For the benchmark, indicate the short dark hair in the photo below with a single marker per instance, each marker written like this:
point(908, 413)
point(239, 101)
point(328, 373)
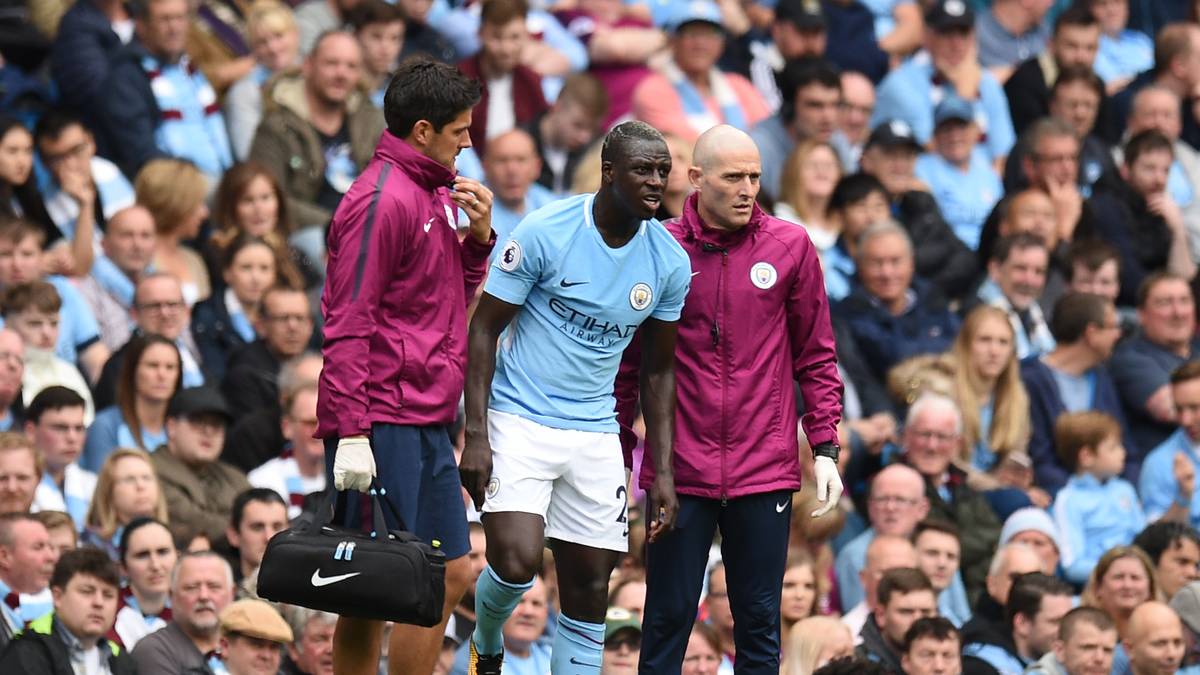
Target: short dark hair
point(1016, 242)
point(1073, 74)
point(1186, 372)
point(88, 560)
point(424, 89)
point(1150, 140)
point(934, 525)
point(368, 12)
point(1076, 15)
point(54, 123)
point(1091, 253)
point(1089, 615)
point(54, 397)
point(1027, 593)
point(500, 12)
point(133, 526)
point(800, 73)
point(901, 580)
point(853, 189)
point(936, 627)
point(852, 665)
point(1165, 535)
point(1154, 279)
point(1074, 312)
point(257, 494)
point(626, 134)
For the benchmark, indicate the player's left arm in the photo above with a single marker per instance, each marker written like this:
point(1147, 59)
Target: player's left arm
point(657, 384)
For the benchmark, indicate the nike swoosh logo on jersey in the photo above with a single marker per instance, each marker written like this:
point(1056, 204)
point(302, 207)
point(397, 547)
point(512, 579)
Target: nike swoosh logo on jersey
point(695, 273)
point(567, 284)
point(319, 581)
point(780, 507)
point(583, 663)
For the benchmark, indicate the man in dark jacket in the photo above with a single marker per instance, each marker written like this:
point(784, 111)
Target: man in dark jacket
point(83, 49)
point(941, 258)
point(1036, 604)
point(285, 324)
point(736, 457)
point(905, 595)
point(890, 315)
point(1071, 379)
point(85, 585)
point(1074, 43)
point(156, 102)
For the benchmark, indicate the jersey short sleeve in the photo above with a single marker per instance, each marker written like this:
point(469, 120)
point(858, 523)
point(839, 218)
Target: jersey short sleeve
point(517, 266)
point(678, 281)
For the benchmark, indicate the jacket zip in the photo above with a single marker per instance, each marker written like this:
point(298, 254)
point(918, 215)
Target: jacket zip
point(715, 332)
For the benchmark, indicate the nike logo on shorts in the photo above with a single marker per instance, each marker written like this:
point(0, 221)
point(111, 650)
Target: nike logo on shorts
point(780, 507)
point(319, 581)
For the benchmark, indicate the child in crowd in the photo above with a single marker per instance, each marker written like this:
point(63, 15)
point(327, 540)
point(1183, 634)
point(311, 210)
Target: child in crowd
point(31, 310)
point(1096, 510)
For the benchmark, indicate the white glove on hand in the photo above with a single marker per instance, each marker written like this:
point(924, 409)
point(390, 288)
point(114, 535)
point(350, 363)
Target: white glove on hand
point(354, 464)
point(829, 485)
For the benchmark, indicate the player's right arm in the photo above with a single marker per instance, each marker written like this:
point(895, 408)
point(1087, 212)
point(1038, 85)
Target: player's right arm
point(492, 315)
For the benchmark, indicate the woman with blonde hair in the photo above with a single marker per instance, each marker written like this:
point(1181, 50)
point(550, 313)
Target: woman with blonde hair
point(811, 173)
point(173, 191)
point(813, 642)
point(126, 488)
point(798, 599)
point(987, 385)
point(275, 44)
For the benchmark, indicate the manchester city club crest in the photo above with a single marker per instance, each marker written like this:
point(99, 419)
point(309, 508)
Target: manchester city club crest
point(763, 275)
point(640, 296)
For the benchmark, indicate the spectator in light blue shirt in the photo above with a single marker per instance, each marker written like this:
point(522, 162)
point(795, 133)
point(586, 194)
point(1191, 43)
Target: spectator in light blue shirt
point(511, 169)
point(1124, 53)
point(911, 92)
point(1166, 488)
point(962, 179)
point(1096, 510)
point(1011, 32)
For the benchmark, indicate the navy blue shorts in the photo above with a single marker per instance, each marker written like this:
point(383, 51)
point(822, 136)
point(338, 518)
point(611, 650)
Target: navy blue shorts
point(416, 466)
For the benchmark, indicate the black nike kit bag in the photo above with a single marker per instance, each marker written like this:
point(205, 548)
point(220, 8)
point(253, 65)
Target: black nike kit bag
point(391, 577)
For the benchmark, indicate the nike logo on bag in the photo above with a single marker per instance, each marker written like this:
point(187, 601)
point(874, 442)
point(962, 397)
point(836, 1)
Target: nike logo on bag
point(319, 581)
point(780, 507)
point(567, 284)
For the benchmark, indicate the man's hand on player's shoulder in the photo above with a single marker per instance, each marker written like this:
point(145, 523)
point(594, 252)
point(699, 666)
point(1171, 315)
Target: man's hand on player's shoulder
point(476, 200)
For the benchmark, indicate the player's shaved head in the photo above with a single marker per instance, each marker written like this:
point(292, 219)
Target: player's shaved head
point(721, 143)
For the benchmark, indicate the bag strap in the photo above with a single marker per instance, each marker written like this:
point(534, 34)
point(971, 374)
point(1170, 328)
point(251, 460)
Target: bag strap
point(379, 501)
point(379, 495)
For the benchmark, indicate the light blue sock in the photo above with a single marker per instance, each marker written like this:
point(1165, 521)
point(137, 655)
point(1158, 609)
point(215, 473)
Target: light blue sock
point(495, 600)
point(578, 647)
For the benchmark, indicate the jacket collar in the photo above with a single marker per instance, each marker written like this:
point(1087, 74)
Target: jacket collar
point(695, 229)
point(423, 171)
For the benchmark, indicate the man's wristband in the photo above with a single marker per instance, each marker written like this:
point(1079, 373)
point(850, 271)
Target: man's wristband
point(826, 449)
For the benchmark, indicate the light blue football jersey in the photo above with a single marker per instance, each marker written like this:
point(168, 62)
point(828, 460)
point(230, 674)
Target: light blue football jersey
point(581, 303)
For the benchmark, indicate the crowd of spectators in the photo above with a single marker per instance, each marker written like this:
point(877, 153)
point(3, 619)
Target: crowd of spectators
point(1005, 195)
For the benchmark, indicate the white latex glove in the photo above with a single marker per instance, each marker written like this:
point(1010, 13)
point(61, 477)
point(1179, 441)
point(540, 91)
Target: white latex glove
point(354, 464)
point(829, 485)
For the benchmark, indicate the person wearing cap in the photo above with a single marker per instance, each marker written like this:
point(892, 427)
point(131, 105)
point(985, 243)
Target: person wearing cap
point(252, 633)
point(622, 642)
point(198, 487)
point(941, 258)
point(1074, 43)
point(911, 91)
point(70, 640)
point(962, 179)
point(796, 32)
point(1174, 548)
point(1034, 528)
point(689, 94)
point(736, 459)
point(1011, 31)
